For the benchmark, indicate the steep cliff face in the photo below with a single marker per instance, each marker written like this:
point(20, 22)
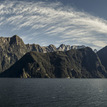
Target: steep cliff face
point(11, 50)
point(82, 63)
point(103, 56)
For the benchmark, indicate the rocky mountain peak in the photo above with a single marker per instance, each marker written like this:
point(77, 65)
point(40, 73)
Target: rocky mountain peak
point(51, 45)
point(77, 47)
point(52, 48)
point(64, 47)
point(16, 40)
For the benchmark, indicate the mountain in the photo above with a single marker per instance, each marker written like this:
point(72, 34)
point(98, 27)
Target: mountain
point(81, 63)
point(103, 56)
point(13, 48)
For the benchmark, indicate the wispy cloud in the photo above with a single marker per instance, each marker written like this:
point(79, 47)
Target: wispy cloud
point(53, 23)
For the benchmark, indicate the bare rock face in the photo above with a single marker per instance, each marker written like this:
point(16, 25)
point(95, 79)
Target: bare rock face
point(34, 47)
point(50, 48)
point(16, 40)
point(11, 50)
point(64, 47)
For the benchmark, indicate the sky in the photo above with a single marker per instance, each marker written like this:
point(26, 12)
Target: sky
point(44, 22)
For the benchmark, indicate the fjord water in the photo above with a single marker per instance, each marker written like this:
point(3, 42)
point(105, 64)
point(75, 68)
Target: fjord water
point(53, 92)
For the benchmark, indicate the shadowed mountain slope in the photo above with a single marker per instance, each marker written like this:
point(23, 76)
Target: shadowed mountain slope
point(81, 63)
point(103, 56)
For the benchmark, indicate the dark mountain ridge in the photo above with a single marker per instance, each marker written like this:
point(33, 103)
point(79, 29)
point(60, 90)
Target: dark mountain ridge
point(81, 63)
point(103, 56)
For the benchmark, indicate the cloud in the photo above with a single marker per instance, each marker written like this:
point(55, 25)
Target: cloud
point(53, 23)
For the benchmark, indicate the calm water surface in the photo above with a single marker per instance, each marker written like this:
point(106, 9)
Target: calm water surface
point(53, 92)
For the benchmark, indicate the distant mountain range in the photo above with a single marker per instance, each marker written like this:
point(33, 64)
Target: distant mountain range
point(19, 60)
